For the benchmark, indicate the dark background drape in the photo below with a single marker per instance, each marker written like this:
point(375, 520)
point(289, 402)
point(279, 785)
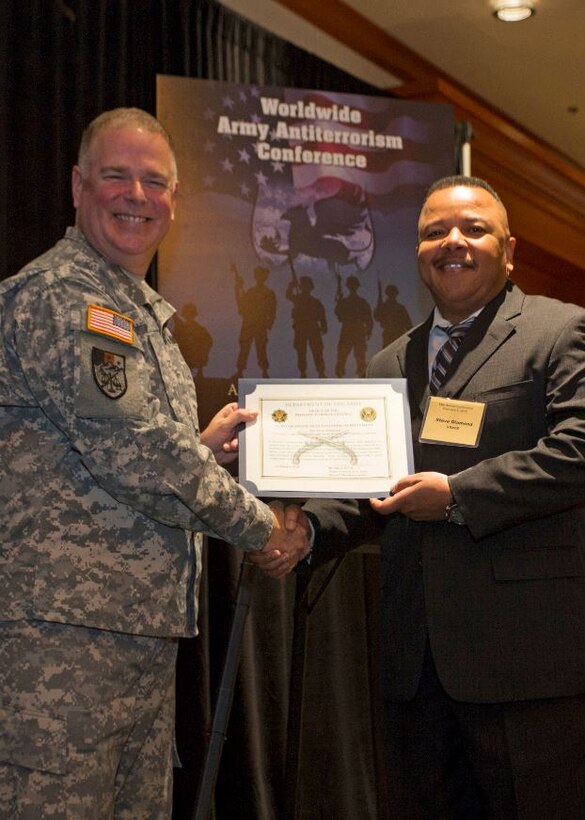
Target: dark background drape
point(63, 62)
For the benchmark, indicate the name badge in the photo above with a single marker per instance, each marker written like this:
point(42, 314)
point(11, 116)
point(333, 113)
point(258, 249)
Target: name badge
point(449, 421)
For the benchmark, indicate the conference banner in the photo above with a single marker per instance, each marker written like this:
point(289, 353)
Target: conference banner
point(292, 254)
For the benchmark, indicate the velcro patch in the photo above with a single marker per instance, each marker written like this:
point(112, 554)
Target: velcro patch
point(109, 372)
point(109, 323)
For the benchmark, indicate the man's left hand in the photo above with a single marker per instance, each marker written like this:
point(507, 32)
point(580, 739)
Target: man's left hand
point(422, 497)
point(221, 434)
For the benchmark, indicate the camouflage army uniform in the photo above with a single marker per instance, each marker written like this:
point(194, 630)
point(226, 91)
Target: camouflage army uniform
point(105, 487)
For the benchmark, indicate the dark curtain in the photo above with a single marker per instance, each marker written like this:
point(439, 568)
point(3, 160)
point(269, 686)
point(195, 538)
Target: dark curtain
point(63, 62)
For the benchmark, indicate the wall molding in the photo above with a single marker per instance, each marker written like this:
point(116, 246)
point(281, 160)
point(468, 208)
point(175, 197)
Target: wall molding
point(544, 191)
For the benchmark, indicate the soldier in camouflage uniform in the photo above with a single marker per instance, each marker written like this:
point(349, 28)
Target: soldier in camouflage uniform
point(106, 486)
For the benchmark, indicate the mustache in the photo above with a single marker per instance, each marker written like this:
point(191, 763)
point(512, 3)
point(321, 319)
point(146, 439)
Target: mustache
point(453, 259)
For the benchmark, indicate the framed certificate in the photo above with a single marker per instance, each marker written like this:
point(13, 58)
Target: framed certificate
point(339, 438)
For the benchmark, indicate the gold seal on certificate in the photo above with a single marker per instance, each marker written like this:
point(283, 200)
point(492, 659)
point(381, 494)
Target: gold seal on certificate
point(325, 437)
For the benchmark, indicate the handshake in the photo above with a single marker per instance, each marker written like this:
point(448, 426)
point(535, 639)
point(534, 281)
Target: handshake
point(288, 543)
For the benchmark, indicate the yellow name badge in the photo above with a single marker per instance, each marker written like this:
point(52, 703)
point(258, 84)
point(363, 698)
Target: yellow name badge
point(448, 421)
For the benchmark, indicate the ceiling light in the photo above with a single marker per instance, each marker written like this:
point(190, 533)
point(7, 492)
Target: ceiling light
point(512, 11)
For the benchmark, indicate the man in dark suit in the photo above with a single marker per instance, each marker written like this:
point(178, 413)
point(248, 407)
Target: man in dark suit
point(483, 548)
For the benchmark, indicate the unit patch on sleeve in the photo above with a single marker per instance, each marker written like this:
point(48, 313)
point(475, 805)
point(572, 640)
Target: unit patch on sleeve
point(109, 372)
point(109, 323)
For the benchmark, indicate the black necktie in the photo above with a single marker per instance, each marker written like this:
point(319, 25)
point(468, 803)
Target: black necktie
point(445, 355)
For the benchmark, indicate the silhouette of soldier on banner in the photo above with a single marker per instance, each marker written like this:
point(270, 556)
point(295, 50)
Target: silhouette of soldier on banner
point(355, 316)
point(194, 340)
point(391, 315)
point(257, 307)
point(309, 323)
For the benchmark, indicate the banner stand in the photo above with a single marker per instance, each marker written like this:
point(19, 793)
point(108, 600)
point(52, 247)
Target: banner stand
point(225, 693)
point(302, 610)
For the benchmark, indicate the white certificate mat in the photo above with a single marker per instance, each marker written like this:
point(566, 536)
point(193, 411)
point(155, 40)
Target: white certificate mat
point(337, 438)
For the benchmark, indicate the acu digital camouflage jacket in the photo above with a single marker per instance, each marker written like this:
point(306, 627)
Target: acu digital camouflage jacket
point(103, 478)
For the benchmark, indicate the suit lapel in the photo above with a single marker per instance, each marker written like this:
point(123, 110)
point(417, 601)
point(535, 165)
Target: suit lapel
point(413, 360)
point(492, 327)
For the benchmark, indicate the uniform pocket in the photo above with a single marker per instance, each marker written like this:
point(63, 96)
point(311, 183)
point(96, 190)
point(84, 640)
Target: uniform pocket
point(33, 741)
point(110, 379)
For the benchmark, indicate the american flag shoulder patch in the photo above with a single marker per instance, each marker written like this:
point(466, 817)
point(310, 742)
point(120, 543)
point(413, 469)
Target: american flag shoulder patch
point(109, 323)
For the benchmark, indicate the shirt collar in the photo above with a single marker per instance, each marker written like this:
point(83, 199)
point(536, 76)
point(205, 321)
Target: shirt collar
point(442, 323)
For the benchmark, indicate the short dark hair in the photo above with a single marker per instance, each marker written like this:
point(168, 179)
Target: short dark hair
point(461, 180)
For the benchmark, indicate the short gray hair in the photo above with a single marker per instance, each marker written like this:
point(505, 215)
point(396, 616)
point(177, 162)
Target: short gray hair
point(118, 118)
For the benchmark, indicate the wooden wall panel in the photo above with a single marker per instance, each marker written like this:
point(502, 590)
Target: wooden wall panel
point(544, 192)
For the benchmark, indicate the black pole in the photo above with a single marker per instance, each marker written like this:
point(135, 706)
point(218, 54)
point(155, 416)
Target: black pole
point(303, 608)
point(296, 691)
point(225, 693)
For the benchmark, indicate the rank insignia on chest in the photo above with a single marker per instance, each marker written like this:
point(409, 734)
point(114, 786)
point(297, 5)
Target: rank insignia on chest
point(109, 372)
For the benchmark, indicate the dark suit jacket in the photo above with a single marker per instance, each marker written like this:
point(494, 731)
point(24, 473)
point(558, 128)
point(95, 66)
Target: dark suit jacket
point(502, 599)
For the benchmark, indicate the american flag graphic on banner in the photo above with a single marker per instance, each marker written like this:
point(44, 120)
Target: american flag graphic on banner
point(301, 193)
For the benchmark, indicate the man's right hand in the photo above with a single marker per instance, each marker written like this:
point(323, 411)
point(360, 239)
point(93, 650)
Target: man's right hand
point(288, 543)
